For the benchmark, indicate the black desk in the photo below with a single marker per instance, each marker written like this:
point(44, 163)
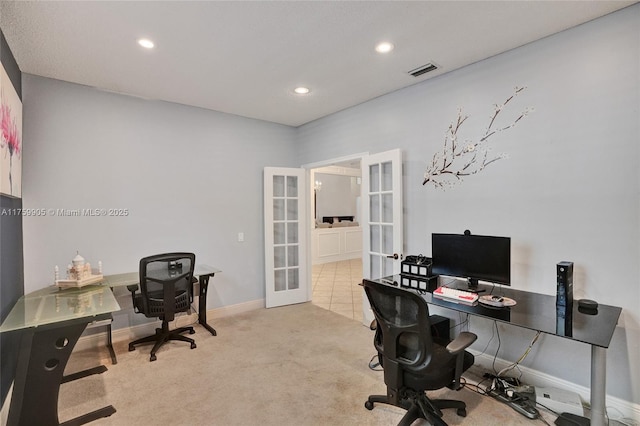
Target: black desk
point(538, 312)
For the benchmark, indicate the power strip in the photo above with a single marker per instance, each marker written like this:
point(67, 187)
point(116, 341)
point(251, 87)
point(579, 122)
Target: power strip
point(521, 405)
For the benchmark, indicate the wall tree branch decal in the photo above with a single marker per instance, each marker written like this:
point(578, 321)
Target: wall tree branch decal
point(468, 157)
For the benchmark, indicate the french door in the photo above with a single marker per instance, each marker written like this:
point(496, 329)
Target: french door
point(382, 218)
point(286, 220)
point(285, 235)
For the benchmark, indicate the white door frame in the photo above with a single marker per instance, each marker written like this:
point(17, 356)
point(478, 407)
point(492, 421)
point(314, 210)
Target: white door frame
point(324, 163)
point(398, 204)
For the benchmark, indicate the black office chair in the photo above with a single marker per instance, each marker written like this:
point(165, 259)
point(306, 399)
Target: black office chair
point(413, 363)
point(166, 287)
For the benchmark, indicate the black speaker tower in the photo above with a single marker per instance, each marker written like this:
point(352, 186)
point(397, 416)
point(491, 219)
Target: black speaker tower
point(564, 273)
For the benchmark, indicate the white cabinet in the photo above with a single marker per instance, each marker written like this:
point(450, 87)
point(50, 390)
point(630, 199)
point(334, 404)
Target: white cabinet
point(335, 244)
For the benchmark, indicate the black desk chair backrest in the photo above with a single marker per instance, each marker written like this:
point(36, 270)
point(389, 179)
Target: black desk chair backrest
point(412, 361)
point(166, 288)
point(403, 333)
point(166, 284)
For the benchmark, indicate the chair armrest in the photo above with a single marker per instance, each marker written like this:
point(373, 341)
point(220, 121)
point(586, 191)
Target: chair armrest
point(457, 347)
point(462, 342)
point(133, 288)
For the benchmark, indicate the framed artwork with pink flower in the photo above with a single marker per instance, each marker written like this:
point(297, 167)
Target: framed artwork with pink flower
point(10, 138)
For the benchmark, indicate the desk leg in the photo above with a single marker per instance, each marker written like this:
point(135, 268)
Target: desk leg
point(84, 373)
point(114, 360)
point(202, 302)
point(89, 417)
point(43, 355)
point(598, 385)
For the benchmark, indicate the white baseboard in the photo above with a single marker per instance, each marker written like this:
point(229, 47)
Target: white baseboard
point(239, 308)
point(337, 258)
point(616, 408)
point(137, 331)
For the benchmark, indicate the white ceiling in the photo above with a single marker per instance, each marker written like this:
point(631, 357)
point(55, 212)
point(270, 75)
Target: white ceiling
point(246, 58)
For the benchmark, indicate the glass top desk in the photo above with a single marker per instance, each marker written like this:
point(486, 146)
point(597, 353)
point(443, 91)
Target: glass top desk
point(539, 312)
point(50, 322)
point(203, 272)
point(52, 305)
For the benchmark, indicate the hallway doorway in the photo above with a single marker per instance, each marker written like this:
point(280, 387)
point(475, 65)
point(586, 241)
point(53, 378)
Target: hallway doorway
point(336, 287)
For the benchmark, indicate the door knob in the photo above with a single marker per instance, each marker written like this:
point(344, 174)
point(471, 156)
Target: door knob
point(393, 256)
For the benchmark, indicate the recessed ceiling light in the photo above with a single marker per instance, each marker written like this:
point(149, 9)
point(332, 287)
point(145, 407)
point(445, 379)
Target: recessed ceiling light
point(301, 90)
point(384, 47)
point(146, 43)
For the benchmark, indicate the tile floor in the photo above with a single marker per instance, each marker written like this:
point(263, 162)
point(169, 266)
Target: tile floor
point(336, 286)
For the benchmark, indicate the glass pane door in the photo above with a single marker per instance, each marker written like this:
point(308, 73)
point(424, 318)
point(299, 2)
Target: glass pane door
point(286, 243)
point(382, 239)
point(385, 220)
point(285, 237)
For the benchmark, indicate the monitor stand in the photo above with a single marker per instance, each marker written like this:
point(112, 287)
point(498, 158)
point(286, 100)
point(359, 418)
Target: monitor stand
point(472, 286)
point(459, 283)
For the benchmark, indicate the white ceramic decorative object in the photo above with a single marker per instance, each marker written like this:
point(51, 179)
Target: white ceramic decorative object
point(78, 260)
point(79, 274)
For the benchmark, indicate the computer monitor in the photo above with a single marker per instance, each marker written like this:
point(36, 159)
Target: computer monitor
point(474, 257)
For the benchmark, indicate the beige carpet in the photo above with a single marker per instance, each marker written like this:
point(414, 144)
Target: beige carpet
point(295, 365)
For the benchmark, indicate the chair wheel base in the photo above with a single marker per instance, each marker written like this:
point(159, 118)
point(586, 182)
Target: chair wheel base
point(162, 336)
point(418, 406)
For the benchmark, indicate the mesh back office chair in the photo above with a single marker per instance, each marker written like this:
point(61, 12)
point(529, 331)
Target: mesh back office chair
point(413, 363)
point(166, 287)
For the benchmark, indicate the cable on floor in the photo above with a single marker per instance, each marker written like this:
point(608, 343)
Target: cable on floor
point(625, 421)
point(374, 363)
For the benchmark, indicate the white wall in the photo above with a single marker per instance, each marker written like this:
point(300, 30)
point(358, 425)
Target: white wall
point(190, 178)
point(337, 196)
point(569, 191)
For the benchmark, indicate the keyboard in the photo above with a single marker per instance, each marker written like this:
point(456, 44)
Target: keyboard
point(456, 296)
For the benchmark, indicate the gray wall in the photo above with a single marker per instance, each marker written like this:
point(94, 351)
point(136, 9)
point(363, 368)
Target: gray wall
point(190, 178)
point(568, 191)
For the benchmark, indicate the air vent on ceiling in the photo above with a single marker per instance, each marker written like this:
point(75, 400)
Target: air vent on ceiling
point(423, 69)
